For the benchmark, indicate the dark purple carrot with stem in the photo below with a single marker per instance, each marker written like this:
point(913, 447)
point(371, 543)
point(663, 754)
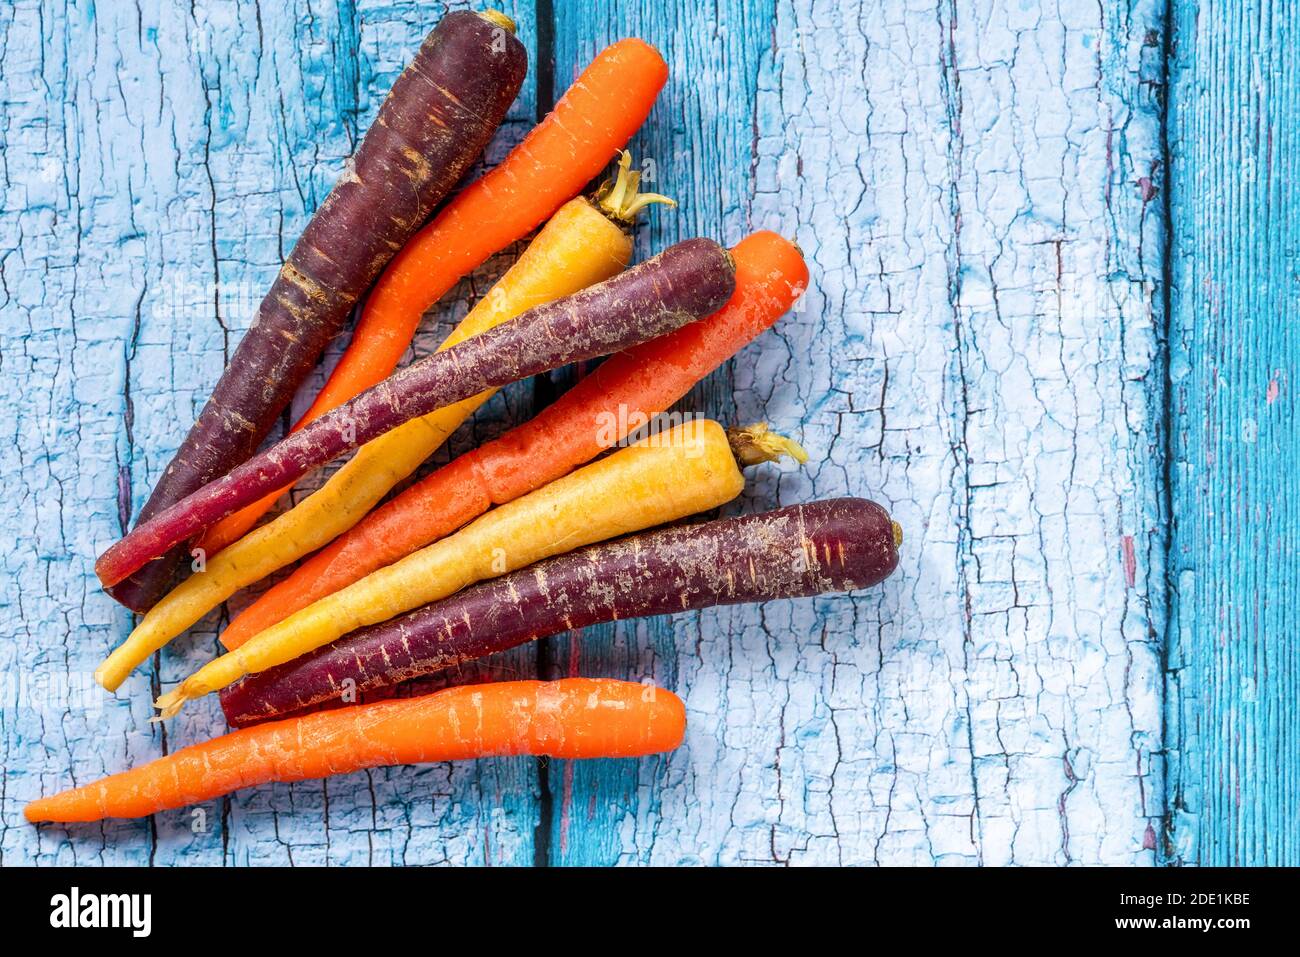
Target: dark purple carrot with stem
point(440, 114)
point(835, 545)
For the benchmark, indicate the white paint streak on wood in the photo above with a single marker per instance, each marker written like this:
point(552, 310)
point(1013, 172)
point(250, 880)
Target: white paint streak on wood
point(977, 353)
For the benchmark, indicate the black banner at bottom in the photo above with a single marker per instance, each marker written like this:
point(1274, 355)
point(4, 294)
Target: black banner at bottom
point(328, 907)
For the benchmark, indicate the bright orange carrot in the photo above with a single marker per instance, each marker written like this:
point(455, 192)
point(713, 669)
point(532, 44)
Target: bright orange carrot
point(596, 414)
point(593, 120)
point(570, 718)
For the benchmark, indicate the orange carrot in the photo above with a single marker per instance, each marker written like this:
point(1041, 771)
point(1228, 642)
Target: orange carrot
point(593, 120)
point(596, 414)
point(570, 718)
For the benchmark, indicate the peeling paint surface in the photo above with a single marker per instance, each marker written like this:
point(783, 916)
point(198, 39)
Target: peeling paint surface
point(977, 187)
point(1233, 672)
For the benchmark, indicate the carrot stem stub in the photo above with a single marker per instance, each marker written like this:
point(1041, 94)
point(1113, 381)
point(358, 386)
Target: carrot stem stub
point(570, 718)
point(440, 114)
point(835, 545)
point(681, 284)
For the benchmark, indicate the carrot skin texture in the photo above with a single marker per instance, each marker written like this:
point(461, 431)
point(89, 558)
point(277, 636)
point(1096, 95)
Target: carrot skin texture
point(579, 247)
point(687, 470)
point(605, 109)
point(440, 114)
point(569, 718)
point(684, 282)
point(593, 120)
point(834, 545)
point(770, 276)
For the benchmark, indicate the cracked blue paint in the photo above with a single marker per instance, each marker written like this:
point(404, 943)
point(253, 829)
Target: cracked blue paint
point(1234, 483)
point(975, 185)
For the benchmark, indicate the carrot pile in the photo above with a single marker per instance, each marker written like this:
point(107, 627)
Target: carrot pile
point(583, 244)
point(549, 528)
point(598, 412)
point(596, 117)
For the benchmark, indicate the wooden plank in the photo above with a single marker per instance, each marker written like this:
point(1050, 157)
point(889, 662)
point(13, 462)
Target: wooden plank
point(979, 351)
point(160, 159)
point(1235, 477)
point(977, 189)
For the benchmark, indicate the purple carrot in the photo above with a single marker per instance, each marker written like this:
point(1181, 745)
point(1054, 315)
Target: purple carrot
point(439, 116)
point(830, 546)
point(681, 284)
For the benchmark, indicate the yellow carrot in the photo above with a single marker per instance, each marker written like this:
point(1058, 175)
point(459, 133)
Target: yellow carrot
point(579, 247)
point(664, 477)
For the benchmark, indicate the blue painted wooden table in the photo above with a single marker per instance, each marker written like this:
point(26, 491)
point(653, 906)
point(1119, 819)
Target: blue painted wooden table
point(1051, 327)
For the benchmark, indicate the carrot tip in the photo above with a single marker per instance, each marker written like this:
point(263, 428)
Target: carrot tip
point(170, 704)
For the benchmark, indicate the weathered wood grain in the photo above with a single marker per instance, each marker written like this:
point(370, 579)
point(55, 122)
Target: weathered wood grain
point(160, 158)
point(1233, 673)
point(972, 183)
point(976, 186)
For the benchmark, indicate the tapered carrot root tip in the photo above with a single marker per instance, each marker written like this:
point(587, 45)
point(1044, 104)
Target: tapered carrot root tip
point(105, 679)
point(667, 720)
point(40, 811)
point(70, 807)
point(170, 704)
